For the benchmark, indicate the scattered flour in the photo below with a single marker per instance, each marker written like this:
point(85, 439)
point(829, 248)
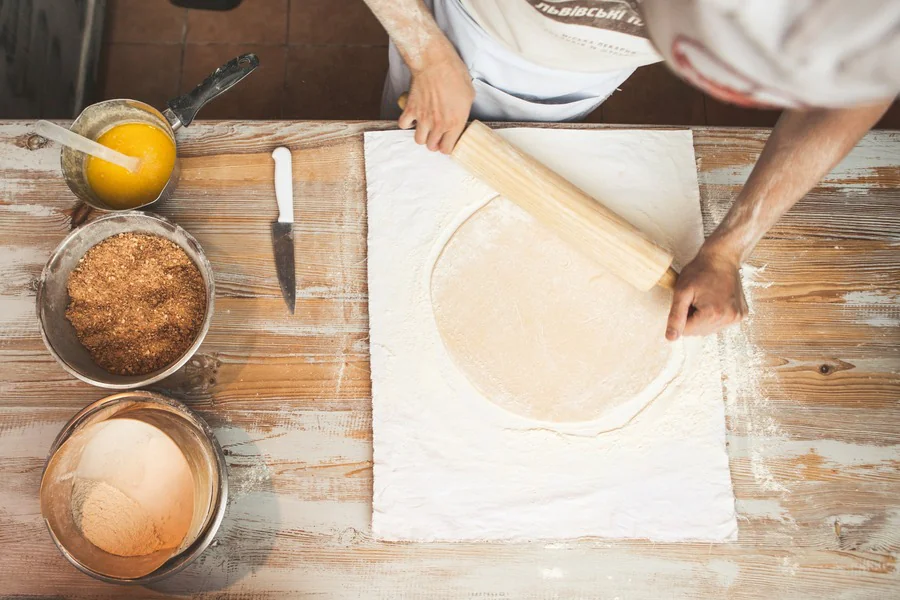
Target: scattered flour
point(746, 405)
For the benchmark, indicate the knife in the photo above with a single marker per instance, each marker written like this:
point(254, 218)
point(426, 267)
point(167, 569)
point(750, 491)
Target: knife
point(283, 228)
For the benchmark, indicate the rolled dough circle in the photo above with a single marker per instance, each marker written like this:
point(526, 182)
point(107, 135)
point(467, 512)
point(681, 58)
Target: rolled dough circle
point(542, 331)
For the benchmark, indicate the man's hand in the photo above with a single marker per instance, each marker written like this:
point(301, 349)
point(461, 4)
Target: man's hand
point(708, 296)
point(440, 98)
point(803, 147)
point(441, 92)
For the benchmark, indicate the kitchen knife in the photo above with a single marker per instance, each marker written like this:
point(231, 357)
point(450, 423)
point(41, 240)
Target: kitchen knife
point(283, 228)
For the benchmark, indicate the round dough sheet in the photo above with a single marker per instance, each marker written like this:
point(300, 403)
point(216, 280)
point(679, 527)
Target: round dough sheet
point(542, 331)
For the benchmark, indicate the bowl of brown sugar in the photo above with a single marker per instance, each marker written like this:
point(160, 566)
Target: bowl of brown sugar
point(125, 300)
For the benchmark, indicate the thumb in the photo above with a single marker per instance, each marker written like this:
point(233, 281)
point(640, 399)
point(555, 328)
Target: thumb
point(678, 315)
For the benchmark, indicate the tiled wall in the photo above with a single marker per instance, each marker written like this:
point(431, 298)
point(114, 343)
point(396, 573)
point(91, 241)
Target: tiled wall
point(319, 59)
point(326, 59)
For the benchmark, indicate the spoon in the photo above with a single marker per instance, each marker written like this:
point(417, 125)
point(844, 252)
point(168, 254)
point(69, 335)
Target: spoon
point(80, 143)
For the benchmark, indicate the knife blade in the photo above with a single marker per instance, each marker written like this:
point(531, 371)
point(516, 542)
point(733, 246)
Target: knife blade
point(283, 228)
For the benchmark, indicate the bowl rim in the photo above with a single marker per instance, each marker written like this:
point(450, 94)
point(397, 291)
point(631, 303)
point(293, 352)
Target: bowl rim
point(204, 267)
point(181, 560)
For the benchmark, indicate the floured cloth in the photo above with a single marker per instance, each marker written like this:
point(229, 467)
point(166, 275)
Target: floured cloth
point(454, 462)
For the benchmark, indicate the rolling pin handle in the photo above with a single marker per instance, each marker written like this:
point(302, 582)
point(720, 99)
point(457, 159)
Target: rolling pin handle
point(401, 101)
point(669, 279)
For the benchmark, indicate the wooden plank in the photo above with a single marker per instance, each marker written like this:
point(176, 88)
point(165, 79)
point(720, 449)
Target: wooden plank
point(302, 481)
point(811, 382)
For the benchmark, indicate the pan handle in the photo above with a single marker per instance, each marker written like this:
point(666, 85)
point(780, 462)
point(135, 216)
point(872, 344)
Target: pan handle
point(184, 108)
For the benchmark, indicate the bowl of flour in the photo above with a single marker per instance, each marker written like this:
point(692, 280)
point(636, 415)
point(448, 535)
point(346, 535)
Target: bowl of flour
point(135, 488)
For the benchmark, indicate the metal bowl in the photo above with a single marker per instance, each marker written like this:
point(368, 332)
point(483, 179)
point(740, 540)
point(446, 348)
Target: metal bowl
point(208, 469)
point(53, 296)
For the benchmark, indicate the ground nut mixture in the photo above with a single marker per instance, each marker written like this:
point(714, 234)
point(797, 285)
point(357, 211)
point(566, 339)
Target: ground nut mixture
point(136, 302)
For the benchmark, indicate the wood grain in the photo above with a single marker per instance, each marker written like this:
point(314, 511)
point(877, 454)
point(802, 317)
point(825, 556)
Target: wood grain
point(811, 389)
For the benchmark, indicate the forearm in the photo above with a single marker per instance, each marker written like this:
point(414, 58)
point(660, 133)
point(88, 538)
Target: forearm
point(803, 148)
point(413, 30)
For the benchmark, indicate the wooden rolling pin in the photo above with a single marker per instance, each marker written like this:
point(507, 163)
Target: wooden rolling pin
point(576, 217)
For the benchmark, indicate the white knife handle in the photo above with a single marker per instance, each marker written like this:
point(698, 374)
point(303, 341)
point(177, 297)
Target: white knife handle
point(284, 185)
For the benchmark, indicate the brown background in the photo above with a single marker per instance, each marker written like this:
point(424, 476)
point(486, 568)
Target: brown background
point(326, 59)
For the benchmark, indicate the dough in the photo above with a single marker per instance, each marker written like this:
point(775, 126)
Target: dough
point(541, 330)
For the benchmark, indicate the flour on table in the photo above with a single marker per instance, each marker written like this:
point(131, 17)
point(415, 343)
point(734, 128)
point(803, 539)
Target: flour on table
point(479, 432)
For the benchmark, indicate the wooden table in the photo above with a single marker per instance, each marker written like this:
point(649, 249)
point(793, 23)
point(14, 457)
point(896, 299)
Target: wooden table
point(813, 390)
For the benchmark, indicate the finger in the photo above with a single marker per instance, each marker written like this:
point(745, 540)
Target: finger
point(434, 139)
point(422, 132)
point(407, 119)
point(698, 327)
point(678, 315)
point(449, 139)
point(706, 319)
point(732, 315)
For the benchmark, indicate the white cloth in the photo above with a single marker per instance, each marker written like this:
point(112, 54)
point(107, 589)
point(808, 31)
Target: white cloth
point(508, 87)
point(575, 35)
point(451, 465)
point(782, 53)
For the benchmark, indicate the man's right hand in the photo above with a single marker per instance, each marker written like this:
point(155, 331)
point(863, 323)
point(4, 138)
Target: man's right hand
point(708, 295)
point(440, 98)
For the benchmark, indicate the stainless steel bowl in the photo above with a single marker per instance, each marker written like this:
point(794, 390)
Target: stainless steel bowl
point(94, 121)
point(208, 469)
point(53, 296)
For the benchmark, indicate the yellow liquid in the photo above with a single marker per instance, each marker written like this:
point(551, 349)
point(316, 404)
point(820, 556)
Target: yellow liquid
point(121, 188)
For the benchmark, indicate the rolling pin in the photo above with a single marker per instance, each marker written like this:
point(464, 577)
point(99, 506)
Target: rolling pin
point(573, 215)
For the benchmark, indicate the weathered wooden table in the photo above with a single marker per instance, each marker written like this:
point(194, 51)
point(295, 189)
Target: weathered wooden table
point(812, 390)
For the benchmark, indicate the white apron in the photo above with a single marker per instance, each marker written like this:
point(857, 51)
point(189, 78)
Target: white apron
point(507, 87)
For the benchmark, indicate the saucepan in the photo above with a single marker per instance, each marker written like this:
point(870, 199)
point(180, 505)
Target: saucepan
point(98, 118)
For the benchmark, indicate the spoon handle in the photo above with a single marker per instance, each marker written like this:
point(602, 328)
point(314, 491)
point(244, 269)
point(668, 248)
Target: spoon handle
point(80, 143)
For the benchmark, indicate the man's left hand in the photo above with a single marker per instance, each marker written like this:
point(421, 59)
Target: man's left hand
point(708, 296)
